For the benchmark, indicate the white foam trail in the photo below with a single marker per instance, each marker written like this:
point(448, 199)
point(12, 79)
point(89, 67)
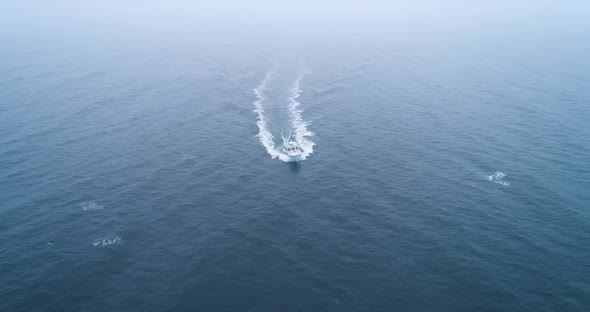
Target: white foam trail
point(265, 137)
point(301, 133)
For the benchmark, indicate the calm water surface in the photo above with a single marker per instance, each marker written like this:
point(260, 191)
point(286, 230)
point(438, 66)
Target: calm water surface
point(136, 178)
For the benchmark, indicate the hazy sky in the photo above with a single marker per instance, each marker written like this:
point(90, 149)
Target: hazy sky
point(258, 20)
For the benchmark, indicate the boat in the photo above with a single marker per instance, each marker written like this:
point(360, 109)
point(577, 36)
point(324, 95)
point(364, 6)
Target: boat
point(292, 150)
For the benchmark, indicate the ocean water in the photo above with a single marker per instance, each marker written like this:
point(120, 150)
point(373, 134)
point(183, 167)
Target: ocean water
point(149, 177)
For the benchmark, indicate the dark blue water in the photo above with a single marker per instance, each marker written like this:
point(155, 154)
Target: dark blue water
point(439, 178)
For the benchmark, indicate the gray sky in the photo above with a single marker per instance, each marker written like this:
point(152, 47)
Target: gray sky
point(261, 20)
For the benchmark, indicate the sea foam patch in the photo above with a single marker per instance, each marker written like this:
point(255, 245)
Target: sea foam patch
point(91, 206)
point(499, 178)
point(109, 241)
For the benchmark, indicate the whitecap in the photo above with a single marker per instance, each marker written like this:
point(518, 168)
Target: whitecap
point(91, 206)
point(111, 240)
point(499, 178)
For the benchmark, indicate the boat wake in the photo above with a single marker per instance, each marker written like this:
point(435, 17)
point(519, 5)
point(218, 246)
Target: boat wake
point(297, 128)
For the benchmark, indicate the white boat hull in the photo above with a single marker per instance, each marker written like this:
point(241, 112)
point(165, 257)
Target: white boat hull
point(292, 150)
point(294, 157)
